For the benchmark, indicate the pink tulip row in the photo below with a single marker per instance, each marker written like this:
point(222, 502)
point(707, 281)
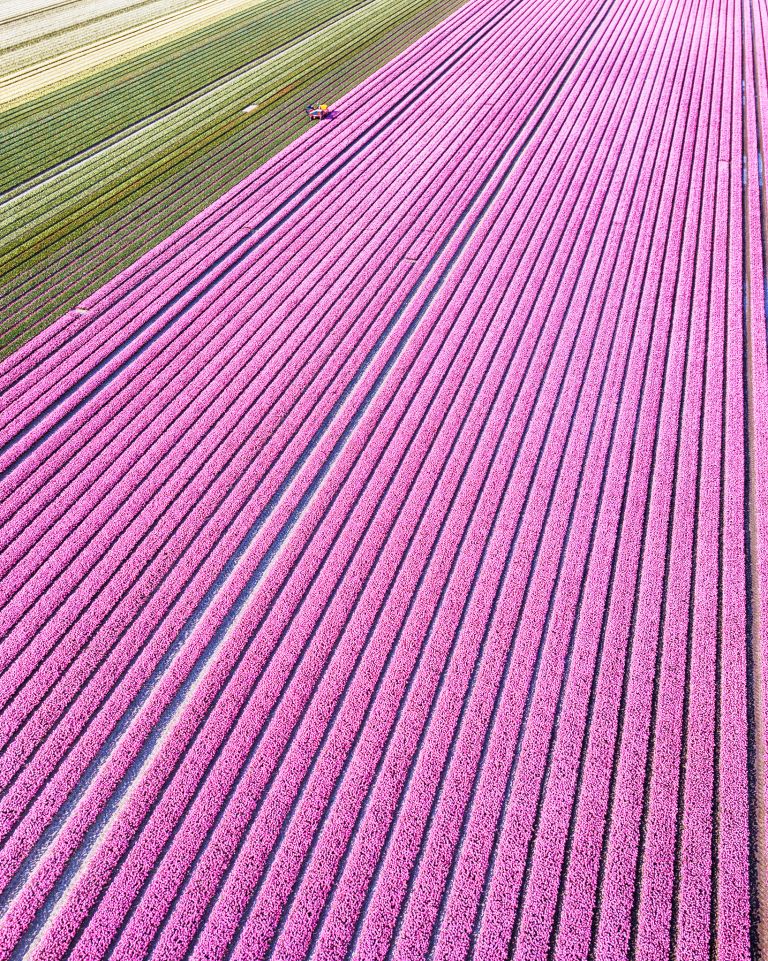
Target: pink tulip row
point(150, 218)
point(170, 283)
point(756, 494)
point(374, 574)
point(33, 774)
point(535, 612)
point(438, 738)
point(356, 758)
point(24, 517)
point(31, 546)
point(528, 633)
point(29, 773)
point(23, 497)
point(48, 341)
point(29, 631)
point(170, 270)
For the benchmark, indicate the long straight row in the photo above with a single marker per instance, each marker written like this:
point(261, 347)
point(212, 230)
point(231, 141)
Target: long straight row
point(383, 556)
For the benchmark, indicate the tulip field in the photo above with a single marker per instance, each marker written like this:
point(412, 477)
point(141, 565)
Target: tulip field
point(102, 159)
point(384, 552)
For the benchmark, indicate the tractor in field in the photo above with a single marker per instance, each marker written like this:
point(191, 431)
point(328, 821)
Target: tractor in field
point(318, 111)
